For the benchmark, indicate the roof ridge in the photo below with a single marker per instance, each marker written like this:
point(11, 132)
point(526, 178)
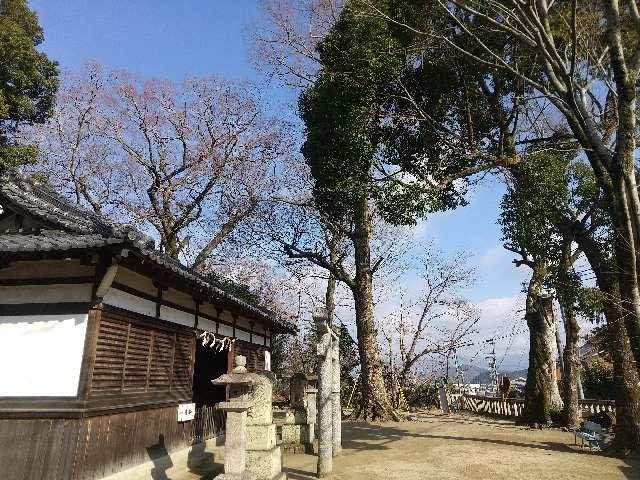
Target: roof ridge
point(40, 199)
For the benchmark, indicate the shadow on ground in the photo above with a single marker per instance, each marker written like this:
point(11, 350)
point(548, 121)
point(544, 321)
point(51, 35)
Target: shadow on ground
point(452, 441)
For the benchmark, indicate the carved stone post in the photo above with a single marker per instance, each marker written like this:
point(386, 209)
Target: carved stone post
point(325, 387)
point(335, 394)
point(312, 416)
point(235, 446)
point(264, 456)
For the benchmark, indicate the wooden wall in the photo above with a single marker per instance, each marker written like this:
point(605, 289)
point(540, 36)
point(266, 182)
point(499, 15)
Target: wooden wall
point(135, 371)
point(138, 372)
point(254, 354)
point(136, 358)
point(89, 448)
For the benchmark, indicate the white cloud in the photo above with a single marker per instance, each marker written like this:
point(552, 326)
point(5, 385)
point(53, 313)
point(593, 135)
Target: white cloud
point(501, 318)
point(491, 257)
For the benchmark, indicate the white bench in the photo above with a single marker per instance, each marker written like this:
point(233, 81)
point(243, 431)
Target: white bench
point(590, 432)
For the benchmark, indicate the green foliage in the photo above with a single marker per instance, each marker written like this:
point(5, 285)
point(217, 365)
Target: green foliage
point(349, 360)
point(538, 195)
point(28, 79)
point(279, 343)
point(341, 109)
point(421, 394)
point(549, 194)
point(359, 145)
point(598, 379)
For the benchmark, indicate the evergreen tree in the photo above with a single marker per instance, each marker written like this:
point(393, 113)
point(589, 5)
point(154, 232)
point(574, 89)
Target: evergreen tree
point(28, 79)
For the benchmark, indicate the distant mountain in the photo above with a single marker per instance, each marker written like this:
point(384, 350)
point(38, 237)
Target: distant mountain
point(485, 376)
point(469, 371)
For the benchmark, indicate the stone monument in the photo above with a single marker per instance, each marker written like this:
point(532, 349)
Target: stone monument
point(335, 395)
point(264, 456)
point(296, 422)
point(235, 446)
point(328, 400)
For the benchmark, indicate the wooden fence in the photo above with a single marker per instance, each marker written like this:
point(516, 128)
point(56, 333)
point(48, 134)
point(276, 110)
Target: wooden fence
point(209, 422)
point(513, 407)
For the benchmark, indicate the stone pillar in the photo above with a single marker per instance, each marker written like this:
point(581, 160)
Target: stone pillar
point(444, 404)
point(264, 456)
point(312, 415)
point(325, 404)
point(335, 394)
point(235, 446)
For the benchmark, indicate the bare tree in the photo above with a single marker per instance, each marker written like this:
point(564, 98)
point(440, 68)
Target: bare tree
point(434, 320)
point(192, 161)
point(72, 152)
point(286, 35)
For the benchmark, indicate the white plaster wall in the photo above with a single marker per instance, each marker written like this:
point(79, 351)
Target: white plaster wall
point(45, 294)
point(258, 339)
point(206, 324)
point(135, 280)
point(118, 298)
point(242, 335)
point(172, 315)
point(225, 330)
point(41, 355)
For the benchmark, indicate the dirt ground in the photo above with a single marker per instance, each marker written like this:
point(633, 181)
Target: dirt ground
point(462, 446)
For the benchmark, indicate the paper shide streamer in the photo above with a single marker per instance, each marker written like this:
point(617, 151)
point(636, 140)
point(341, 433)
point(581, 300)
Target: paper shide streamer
point(217, 344)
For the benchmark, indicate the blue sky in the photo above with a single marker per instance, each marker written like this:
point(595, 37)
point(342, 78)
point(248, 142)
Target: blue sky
point(174, 39)
point(164, 38)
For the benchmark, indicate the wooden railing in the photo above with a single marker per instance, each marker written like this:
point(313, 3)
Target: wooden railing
point(209, 422)
point(490, 405)
point(513, 407)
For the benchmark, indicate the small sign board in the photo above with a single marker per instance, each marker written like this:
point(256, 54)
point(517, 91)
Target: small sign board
point(186, 412)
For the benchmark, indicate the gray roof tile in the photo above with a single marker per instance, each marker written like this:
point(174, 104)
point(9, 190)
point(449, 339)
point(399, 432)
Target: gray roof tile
point(74, 228)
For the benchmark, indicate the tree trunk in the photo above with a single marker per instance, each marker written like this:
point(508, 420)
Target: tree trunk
point(330, 294)
point(570, 357)
point(627, 390)
point(626, 256)
point(541, 396)
point(571, 370)
point(375, 399)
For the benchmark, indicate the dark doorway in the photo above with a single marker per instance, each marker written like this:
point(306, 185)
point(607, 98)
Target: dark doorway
point(209, 421)
point(208, 366)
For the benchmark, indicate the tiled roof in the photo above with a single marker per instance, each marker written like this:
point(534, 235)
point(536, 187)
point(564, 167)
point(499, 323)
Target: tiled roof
point(72, 228)
point(51, 240)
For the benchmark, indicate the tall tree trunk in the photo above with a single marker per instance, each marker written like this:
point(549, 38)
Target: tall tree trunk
point(330, 300)
point(541, 396)
point(627, 389)
point(571, 370)
point(570, 357)
point(375, 399)
point(626, 256)
point(627, 381)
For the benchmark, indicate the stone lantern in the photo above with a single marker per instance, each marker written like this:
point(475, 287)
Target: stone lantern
point(239, 384)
